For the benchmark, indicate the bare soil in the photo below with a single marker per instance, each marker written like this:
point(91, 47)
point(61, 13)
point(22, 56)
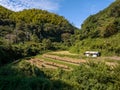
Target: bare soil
point(64, 53)
point(45, 64)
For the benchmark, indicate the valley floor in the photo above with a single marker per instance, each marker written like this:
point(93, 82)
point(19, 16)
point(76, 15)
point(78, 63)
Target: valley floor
point(67, 61)
point(61, 70)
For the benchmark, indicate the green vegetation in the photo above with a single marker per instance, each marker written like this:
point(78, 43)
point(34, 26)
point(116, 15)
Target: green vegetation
point(100, 32)
point(19, 27)
point(107, 46)
point(23, 76)
point(103, 24)
point(89, 76)
point(96, 76)
point(31, 32)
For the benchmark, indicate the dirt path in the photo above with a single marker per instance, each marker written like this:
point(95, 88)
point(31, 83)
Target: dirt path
point(65, 59)
point(112, 58)
point(64, 53)
point(68, 53)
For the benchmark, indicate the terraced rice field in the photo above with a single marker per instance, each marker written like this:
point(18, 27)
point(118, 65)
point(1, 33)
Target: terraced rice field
point(61, 59)
point(50, 60)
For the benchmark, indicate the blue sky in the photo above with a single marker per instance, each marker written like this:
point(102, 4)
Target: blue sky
point(75, 11)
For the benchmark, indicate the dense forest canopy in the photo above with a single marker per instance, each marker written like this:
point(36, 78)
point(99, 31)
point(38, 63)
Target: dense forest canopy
point(105, 23)
point(33, 23)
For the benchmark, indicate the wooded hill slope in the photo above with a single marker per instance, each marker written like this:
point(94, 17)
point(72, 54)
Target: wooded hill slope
point(103, 24)
point(32, 25)
point(29, 32)
point(100, 32)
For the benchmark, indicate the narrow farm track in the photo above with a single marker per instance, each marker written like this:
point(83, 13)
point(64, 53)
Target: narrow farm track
point(65, 59)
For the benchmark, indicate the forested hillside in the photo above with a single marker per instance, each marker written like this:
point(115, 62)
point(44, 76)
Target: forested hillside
point(100, 32)
point(33, 24)
point(105, 23)
point(30, 32)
